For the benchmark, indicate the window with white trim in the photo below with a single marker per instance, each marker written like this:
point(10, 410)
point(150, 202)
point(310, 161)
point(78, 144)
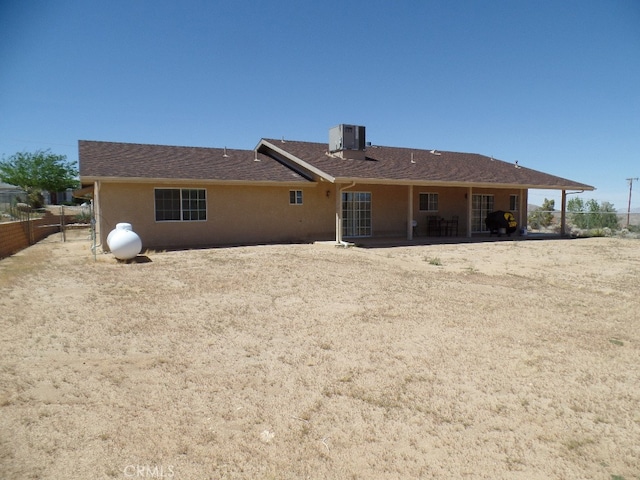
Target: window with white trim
point(295, 197)
point(180, 204)
point(513, 203)
point(428, 202)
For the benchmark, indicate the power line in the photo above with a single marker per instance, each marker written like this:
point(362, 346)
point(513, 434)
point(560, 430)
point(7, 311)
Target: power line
point(22, 140)
point(630, 180)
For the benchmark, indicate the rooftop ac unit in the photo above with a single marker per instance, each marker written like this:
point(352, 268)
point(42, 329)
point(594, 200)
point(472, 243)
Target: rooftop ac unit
point(346, 137)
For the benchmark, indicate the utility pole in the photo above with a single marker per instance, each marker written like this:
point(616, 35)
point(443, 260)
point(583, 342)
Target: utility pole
point(630, 180)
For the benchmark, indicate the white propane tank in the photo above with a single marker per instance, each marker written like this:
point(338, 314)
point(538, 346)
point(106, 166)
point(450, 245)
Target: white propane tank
point(119, 226)
point(123, 242)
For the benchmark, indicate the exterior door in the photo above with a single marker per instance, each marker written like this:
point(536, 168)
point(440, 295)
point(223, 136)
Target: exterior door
point(356, 214)
point(482, 205)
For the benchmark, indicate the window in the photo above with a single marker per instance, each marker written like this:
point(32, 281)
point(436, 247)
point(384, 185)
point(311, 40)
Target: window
point(513, 203)
point(194, 204)
point(428, 202)
point(180, 204)
point(295, 197)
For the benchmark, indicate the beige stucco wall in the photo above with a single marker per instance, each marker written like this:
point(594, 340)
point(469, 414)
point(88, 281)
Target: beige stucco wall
point(236, 214)
point(244, 214)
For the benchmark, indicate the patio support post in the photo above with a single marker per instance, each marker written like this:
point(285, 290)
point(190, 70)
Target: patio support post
point(563, 214)
point(410, 214)
point(522, 210)
point(469, 210)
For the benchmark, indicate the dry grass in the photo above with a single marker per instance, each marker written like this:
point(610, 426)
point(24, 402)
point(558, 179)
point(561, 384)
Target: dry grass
point(498, 360)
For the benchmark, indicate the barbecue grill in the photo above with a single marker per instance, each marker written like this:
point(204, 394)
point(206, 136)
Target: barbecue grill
point(501, 222)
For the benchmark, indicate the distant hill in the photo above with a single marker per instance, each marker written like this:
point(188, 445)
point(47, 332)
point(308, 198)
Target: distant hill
point(532, 208)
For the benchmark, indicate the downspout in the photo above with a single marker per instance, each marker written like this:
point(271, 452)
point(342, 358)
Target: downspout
point(97, 217)
point(339, 240)
point(522, 211)
point(563, 215)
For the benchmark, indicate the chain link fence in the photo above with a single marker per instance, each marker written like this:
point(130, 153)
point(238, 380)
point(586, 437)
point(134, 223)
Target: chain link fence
point(594, 223)
point(8, 201)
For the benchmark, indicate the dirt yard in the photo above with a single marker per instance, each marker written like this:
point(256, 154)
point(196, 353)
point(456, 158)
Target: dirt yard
point(503, 360)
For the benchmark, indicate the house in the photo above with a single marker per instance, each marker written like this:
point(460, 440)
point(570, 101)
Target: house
point(296, 191)
point(9, 194)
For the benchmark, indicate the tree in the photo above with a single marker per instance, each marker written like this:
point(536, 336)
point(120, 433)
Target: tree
point(577, 215)
point(591, 214)
point(609, 215)
point(548, 206)
point(602, 216)
point(542, 217)
point(39, 171)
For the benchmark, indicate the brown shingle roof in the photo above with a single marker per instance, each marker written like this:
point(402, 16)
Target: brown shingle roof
point(422, 166)
point(382, 164)
point(130, 160)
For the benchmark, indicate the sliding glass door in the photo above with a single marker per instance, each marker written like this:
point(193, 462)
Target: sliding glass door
point(356, 214)
point(482, 205)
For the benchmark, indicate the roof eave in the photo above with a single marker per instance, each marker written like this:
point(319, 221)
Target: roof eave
point(444, 183)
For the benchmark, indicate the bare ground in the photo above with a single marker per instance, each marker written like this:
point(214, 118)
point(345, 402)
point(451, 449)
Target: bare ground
point(515, 360)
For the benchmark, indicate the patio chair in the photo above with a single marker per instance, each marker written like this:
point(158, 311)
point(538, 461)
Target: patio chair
point(434, 225)
point(452, 226)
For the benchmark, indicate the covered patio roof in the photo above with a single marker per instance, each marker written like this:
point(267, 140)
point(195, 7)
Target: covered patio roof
point(411, 167)
point(407, 166)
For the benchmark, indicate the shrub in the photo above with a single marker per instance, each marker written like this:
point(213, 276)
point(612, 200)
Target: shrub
point(542, 217)
point(591, 214)
point(83, 217)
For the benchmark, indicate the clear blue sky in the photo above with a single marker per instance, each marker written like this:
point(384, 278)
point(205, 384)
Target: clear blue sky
point(554, 84)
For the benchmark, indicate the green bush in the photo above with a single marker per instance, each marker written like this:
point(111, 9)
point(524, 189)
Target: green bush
point(591, 214)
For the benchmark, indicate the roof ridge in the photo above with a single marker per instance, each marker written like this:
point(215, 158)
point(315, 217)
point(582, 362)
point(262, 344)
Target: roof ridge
point(414, 149)
point(167, 145)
